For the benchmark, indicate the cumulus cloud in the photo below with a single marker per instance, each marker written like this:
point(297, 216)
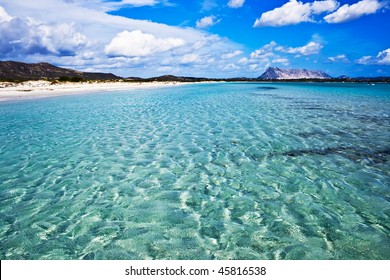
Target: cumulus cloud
point(236, 3)
point(308, 49)
point(24, 36)
point(265, 56)
point(4, 16)
point(136, 43)
point(338, 58)
point(231, 54)
point(365, 60)
point(294, 12)
point(257, 67)
point(265, 51)
point(94, 21)
point(383, 58)
point(273, 53)
point(243, 61)
point(230, 67)
point(190, 58)
point(319, 7)
point(207, 22)
point(60, 39)
point(283, 61)
point(354, 11)
point(89, 38)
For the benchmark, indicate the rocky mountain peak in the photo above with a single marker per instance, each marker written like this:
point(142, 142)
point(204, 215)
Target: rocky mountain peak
point(275, 73)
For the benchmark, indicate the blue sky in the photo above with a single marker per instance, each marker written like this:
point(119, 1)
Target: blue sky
point(209, 38)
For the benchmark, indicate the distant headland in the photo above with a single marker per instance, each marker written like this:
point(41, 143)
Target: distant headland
point(12, 71)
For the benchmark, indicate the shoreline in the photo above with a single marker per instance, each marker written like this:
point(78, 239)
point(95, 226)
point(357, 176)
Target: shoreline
point(43, 89)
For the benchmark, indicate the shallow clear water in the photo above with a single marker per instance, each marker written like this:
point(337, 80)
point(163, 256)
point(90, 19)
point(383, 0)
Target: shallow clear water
point(204, 171)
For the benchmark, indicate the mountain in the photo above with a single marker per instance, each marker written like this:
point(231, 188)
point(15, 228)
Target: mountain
point(12, 70)
point(275, 73)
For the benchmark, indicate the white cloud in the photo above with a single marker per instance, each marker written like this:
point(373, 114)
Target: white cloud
point(95, 22)
point(137, 3)
point(230, 67)
point(90, 38)
point(265, 56)
point(236, 3)
point(137, 43)
point(60, 38)
point(165, 69)
point(190, 58)
point(338, 58)
point(308, 49)
point(25, 36)
point(294, 12)
point(211, 60)
point(265, 51)
point(383, 58)
point(273, 53)
point(255, 66)
point(365, 60)
point(4, 16)
point(88, 55)
point(243, 61)
point(319, 7)
point(283, 61)
point(116, 5)
point(207, 22)
point(231, 54)
point(354, 11)
point(140, 2)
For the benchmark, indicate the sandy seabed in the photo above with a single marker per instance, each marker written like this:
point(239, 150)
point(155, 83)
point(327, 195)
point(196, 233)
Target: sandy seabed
point(40, 89)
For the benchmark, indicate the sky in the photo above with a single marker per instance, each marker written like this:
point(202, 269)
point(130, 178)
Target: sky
point(202, 38)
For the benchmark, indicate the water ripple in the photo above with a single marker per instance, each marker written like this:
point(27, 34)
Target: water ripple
point(209, 171)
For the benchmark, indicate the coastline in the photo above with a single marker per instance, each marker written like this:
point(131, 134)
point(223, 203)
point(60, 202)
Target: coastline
point(43, 89)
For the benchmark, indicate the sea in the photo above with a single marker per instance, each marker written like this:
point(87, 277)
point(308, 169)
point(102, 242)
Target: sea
point(264, 171)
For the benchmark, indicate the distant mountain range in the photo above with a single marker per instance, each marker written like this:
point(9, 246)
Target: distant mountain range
point(12, 70)
point(275, 73)
point(19, 71)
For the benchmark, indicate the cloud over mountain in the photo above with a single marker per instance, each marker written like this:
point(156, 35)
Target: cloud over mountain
point(308, 49)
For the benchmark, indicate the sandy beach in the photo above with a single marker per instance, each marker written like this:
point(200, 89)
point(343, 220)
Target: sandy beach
point(41, 89)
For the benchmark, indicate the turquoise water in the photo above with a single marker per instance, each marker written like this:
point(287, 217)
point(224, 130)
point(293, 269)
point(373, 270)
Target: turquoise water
point(204, 171)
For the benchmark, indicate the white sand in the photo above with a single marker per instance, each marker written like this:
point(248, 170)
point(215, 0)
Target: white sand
point(40, 89)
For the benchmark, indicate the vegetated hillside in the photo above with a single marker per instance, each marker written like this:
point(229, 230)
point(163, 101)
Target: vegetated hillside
point(171, 78)
point(19, 71)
